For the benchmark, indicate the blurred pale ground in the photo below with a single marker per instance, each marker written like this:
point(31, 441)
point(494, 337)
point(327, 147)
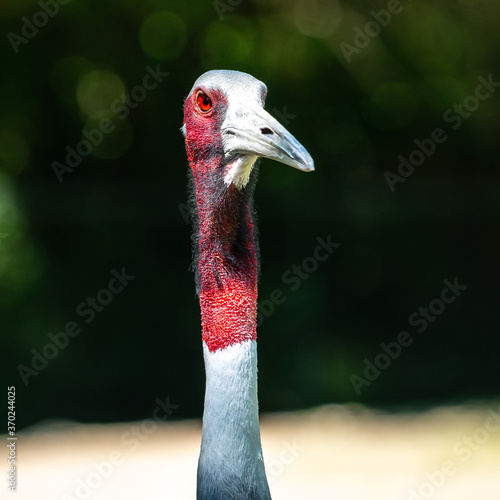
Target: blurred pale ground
point(333, 452)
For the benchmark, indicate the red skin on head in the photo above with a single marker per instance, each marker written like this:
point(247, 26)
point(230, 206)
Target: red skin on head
point(225, 253)
point(203, 137)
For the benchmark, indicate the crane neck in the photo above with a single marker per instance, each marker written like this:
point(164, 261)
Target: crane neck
point(226, 266)
point(231, 463)
point(225, 258)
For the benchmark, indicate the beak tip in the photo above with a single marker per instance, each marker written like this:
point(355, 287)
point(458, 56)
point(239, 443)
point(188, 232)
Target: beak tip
point(308, 163)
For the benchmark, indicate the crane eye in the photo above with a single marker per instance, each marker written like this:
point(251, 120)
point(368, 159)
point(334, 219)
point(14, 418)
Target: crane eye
point(204, 102)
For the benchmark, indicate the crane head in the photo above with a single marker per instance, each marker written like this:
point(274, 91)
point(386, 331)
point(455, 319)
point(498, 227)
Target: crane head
point(225, 120)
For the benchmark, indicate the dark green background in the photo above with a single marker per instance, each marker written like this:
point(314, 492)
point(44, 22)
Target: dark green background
point(123, 206)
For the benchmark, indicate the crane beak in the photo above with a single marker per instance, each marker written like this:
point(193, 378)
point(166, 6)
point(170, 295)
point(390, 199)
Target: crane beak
point(252, 131)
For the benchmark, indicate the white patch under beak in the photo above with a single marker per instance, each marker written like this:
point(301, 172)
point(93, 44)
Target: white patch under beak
point(239, 170)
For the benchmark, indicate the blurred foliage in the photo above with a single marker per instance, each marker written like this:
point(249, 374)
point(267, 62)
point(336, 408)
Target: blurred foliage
point(123, 204)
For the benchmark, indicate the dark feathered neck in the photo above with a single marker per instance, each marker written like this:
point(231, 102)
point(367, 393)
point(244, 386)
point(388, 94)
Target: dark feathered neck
point(225, 256)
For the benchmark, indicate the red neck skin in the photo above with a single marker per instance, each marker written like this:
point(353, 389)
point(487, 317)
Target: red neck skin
point(227, 268)
point(225, 253)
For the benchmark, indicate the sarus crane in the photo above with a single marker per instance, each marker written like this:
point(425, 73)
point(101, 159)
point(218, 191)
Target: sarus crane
point(226, 130)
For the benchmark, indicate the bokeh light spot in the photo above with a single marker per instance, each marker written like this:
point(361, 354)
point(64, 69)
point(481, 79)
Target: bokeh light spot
point(317, 18)
point(435, 43)
point(163, 35)
point(225, 45)
point(97, 90)
point(20, 266)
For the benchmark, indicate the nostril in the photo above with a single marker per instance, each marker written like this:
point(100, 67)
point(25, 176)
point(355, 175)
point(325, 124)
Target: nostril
point(266, 130)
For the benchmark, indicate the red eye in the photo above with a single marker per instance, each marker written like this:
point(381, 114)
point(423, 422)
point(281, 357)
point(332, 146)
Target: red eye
point(204, 102)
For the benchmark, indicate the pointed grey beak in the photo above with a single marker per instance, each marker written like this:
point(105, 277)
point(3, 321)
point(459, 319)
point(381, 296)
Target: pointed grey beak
point(250, 130)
